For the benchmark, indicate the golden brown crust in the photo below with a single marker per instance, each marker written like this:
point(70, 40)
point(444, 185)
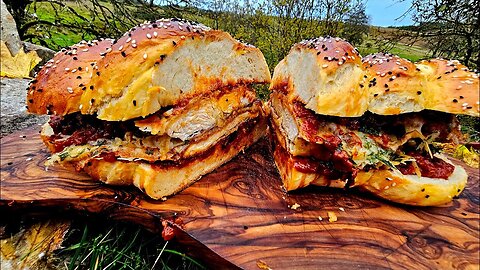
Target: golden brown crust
point(159, 179)
point(452, 87)
point(326, 74)
point(168, 60)
point(395, 84)
point(59, 85)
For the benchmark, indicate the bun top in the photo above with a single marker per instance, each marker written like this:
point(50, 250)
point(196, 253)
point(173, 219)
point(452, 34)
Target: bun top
point(58, 86)
point(452, 87)
point(325, 74)
point(330, 78)
point(160, 63)
point(395, 84)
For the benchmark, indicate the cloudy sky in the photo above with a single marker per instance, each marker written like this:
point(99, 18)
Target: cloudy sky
point(387, 12)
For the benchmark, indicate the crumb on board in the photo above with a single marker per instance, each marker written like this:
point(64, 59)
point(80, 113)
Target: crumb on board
point(263, 265)
point(320, 218)
point(341, 209)
point(295, 206)
point(331, 216)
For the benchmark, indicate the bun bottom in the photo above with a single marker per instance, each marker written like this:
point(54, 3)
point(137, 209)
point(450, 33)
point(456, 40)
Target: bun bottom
point(385, 183)
point(161, 179)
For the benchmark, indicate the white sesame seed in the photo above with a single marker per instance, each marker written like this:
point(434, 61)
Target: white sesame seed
point(67, 69)
point(394, 184)
point(145, 56)
point(120, 48)
point(394, 77)
point(155, 34)
point(85, 50)
point(128, 39)
point(459, 87)
point(70, 90)
point(340, 63)
point(386, 187)
point(341, 209)
point(465, 104)
point(80, 107)
point(389, 179)
point(149, 36)
point(329, 58)
point(134, 41)
point(86, 69)
point(74, 70)
point(325, 66)
point(134, 45)
point(182, 37)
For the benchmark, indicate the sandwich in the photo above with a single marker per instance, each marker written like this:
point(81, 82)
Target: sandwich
point(374, 123)
point(167, 103)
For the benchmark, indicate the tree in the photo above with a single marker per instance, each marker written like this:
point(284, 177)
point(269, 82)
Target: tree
point(356, 24)
point(452, 28)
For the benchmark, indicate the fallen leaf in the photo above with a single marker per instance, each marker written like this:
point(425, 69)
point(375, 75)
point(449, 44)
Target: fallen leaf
point(32, 247)
point(263, 265)
point(17, 66)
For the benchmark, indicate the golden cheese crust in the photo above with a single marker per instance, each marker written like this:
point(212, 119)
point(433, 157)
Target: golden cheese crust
point(153, 65)
point(59, 85)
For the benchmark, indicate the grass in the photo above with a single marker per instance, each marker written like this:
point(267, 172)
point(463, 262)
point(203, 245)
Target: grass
point(120, 246)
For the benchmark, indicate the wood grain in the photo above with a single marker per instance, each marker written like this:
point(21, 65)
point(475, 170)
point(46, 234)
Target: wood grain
point(239, 215)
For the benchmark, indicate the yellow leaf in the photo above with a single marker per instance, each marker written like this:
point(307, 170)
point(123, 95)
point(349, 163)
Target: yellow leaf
point(17, 66)
point(32, 247)
point(469, 156)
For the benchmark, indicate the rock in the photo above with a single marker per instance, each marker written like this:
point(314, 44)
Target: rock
point(43, 52)
point(14, 115)
point(9, 33)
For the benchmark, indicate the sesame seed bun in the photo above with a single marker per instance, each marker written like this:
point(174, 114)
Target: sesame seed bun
point(452, 87)
point(59, 85)
point(325, 74)
point(154, 65)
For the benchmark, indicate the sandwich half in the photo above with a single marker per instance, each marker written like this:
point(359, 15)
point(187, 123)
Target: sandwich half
point(374, 124)
point(165, 104)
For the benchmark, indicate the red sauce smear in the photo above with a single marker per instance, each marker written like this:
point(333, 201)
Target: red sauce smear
point(433, 168)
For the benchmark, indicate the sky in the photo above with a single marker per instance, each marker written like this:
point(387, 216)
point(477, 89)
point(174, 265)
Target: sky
point(385, 12)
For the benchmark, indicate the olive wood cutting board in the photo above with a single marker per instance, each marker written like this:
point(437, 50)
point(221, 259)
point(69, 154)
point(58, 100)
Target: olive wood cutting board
point(239, 216)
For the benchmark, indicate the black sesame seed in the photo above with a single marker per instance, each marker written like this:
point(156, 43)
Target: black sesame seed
point(40, 90)
point(439, 77)
point(30, 100)
point(91, 87)
point(75, 58)
point(461, 97)
point(174, 43)
point(386, 85)
point(80, 85)
point(361, 85)
point(318, 53)
point(162, 57)
point(390, 73)
point(134, 103)
point(79, 77)
point(79, 68)
point(365, 76)
point(98, 73)
point(92, 64)
point(423, 190)
point(419, 92)
point(375, 95)
point(455, 100)
point(464, 214)
point(92, 100)
point(469, 107)
point(427, 196)
point(84, 88)
point(124, 54)
point(245, 227)
point(387, 90)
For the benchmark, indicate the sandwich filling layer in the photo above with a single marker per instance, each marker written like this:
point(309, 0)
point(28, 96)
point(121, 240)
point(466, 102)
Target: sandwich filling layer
point(338, 147)
point(182, 131)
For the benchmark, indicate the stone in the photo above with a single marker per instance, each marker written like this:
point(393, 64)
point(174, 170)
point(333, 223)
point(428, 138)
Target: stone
point(9, 33)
